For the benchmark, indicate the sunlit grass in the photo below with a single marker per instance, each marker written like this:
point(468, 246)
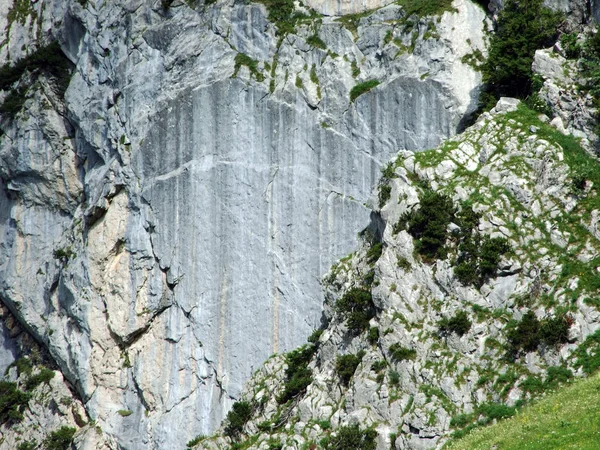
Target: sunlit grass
point(567, 419)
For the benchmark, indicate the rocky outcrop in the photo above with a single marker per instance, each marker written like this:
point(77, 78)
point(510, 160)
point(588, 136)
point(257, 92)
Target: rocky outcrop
point(419, 372)
point(166, 224)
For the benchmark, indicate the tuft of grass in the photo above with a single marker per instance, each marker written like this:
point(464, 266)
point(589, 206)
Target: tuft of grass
point(362, 88)
point(569, 418)
point(244, 60)
point(424, 8)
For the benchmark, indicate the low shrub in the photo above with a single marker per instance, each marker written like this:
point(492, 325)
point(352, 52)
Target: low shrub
point(555, 331)
point(385, 192)
point(459, 324)
point(195, 441)
point(374, 253)
point(357, 308)
point(362, 88)
point(353, 438)
point(399, 353)
point(28, 445)
point(298, 375)
point(345, 366)
point(478, 258)
point(43, 376)
point(394, 378)
point(60, 439)
point(315, 41)
point(524, 335)
point(496, 411)
point(429, 224)
point(373, 336)
point(12, 402)
point(237, 418)
point(252, 65)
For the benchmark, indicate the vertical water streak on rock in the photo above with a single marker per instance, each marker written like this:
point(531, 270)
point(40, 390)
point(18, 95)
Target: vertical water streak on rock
point(272, 245)
point(222, 317)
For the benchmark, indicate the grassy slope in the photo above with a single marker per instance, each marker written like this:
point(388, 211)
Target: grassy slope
point(566, 419)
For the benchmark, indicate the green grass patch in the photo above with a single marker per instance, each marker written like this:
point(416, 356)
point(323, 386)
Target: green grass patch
point(424, 8)
point(569, 418)
point(244, 60)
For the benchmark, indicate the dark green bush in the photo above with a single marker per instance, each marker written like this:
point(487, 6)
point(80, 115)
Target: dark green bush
point(555, 331)
point(385, 191)
point(240, 414)
point(60, 439)
point(459, 324)
point(496, 411)
point(316, 41)
point(362, 88)
point(461, 420)
point(13, 102)
point(353, 438)
point(12, 402)
point(357, 308)
point(195, 441)
point(557, 375)
point(429, 224)
point(399, 353)
point(315, 336)
point(298, 375)
point(374, 253)
point(378, 366)
point(478, 258)
point(345, 366)
point(523, 27)
point(373, 336)
point(394, 378)
point(524, 335)
point(28, 445)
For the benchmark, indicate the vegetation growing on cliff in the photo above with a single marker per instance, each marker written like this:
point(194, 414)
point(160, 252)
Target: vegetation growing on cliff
point(522, 28)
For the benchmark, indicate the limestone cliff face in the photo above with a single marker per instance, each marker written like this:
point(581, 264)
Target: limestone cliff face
point(165, 224)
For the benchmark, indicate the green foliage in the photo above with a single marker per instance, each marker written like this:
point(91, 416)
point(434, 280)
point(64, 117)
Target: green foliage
point(373, 336)
point(588, 353)
point(316, 41)
point(124, 412)
point(353, 438)
point(43, 376)
point(528, 334)
point(524, 335)
point(13, 102)
point(237, 418)
point(315, 336)
point(282, 14)
point(399, 353)
point(556, 375)
point(195, 441)
point(63, 254)
point(60, 439)
point(394, 378)
point(378, 366)
point(357, 308)
point(48, 59)
point(12, 402)
point(571, 47)
point(429, 224)
point(28, 445)
point(424, 8)
point(374, 253)
point(362, 88)
point(345, 366)
point(495, 411)
point(478, 258)
point(252, 65)
point(298, 375)
point(523, 27)
point(385, 191)
point(459, 324)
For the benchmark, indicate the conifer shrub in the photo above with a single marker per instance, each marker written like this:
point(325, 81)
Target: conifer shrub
point(298, 375)
point(429, 224)
point(345, 366)
point(12, 402)
point(60, 439)
point(523, 27)
point(399, 353)
point(459, 324)
point(353, 438)
point(240, 414)
point(357, 308)
point(478, 258)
